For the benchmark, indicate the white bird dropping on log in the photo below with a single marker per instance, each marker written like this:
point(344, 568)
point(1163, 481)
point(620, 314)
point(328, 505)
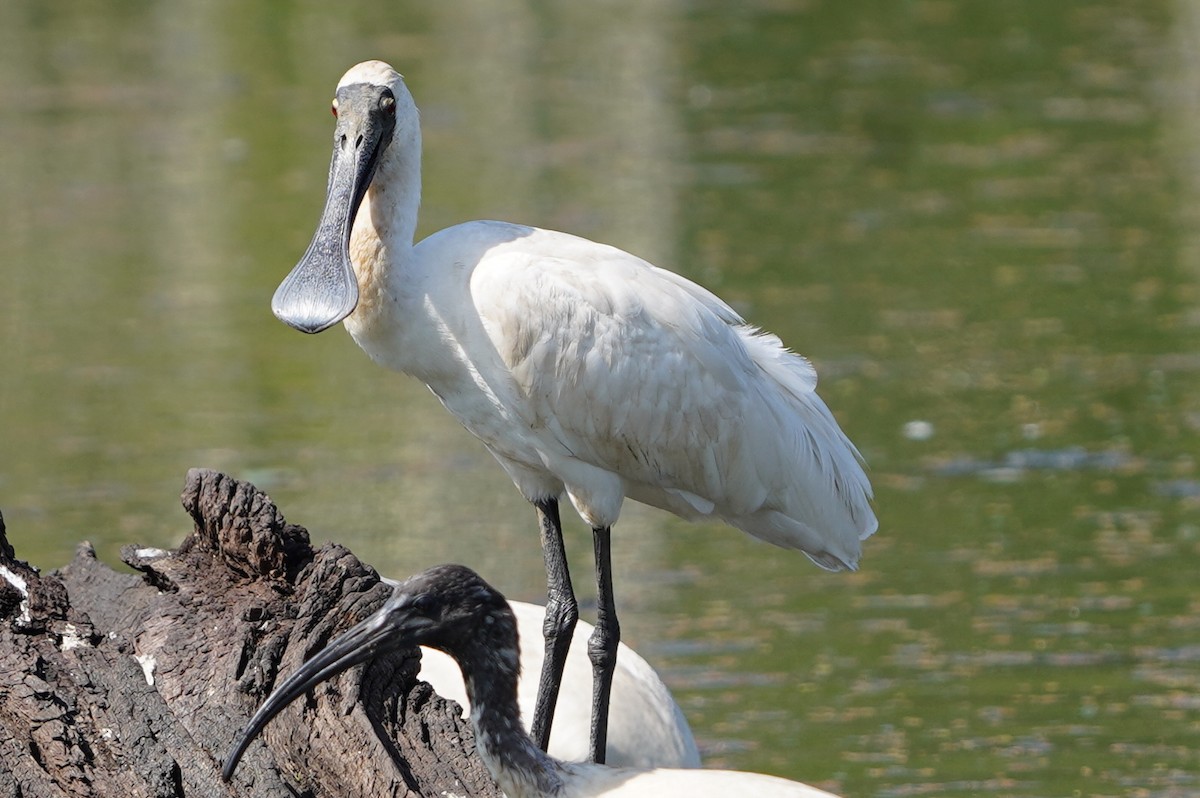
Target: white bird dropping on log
point(22, 587)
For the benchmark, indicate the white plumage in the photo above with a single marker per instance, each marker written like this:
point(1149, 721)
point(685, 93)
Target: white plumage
point(584, 369)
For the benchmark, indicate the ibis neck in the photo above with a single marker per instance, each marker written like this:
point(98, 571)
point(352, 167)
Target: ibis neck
point(511, 756)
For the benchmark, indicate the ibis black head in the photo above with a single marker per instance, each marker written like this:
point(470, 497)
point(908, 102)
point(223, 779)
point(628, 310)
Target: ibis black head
point(448, 607)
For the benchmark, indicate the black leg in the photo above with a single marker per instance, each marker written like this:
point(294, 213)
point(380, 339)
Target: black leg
point(602, 645)
point(561, 614)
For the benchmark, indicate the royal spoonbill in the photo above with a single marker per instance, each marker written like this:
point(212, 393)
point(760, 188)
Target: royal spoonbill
point(646, 728)
point(449, 607)
point(583, 369)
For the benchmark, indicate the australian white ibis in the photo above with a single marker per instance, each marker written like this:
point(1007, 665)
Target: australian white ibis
point(646, 728)
point(449, 607)
point(583, 369)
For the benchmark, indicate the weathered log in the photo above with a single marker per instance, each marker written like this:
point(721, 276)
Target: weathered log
point(135, 684)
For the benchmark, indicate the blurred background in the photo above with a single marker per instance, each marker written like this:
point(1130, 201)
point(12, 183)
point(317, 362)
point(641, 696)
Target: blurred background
point(979, 220)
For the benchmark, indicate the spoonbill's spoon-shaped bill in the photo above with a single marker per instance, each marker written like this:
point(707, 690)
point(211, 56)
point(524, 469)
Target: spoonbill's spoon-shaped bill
point(325, 291)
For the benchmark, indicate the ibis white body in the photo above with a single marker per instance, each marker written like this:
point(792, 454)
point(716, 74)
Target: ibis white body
point(588, 780)
point(646, 727)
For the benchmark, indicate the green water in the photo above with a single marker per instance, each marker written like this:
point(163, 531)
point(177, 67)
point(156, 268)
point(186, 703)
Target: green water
point(978, 217)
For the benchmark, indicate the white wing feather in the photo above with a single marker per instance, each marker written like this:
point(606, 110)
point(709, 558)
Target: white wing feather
point(636, 371)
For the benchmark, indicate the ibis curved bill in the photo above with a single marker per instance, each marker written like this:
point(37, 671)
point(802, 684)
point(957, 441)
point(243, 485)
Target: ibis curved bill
point(449, 607)
point(583, 369)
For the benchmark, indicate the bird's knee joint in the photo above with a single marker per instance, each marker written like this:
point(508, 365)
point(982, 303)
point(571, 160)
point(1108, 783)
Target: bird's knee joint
point(602, 645)
point(561, 616)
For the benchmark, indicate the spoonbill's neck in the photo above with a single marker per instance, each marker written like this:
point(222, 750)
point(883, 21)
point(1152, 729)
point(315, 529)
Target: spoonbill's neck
point(381, 244)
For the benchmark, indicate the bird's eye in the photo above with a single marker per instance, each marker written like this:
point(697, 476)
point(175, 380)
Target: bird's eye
point(387, 103)
point(333, 107)
point(423, 604)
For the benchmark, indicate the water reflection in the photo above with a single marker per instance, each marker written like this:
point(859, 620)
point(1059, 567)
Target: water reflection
point(979, 218)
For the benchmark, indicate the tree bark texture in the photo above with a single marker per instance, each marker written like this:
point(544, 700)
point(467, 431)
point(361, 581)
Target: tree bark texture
point(116, 684)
